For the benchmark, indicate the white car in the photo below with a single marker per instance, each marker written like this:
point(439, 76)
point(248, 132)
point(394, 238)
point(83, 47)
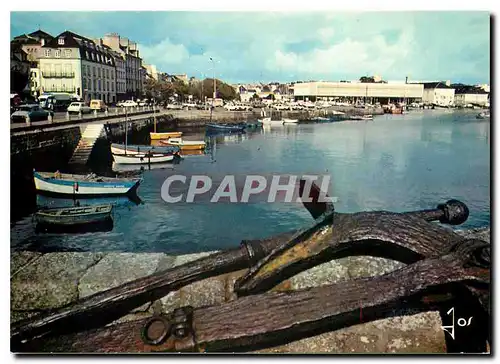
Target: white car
point(128, 103)
point(79, 107)
point(174, 107)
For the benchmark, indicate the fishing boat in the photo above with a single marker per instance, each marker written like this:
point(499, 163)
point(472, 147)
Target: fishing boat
point(52, 202)
point(361, 117)
point(143, 158)
point(483, 115)
point(320, 119)
point(184, 144)
point(226, 127)
point(166, 135)
point(141, 149)
point(74, 215)
point(268, 121)
point(264, 121)
point(83, 185)
point(289, 121)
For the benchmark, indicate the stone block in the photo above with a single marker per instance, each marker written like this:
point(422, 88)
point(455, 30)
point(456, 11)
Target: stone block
point(51, 281)
point(20, 259)
point(116, 269)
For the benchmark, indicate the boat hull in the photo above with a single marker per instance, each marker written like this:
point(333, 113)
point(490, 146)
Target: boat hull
point(140, 149)
point(290, 121)
point(74, 216)
point(45, 183)
point(142, 158)
point(159, 136)
point(185, 146)
point(225, 127)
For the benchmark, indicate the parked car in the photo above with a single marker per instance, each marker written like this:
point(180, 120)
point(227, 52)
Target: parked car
point(128, 103)
point(174, 107)
point(98, 105)
point(77, 107)
point(35, 113)
point(189, 105)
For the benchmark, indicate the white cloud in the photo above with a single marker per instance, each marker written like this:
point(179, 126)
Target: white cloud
point(165, 53)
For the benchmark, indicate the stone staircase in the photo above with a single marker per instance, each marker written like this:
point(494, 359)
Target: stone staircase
point(81, 154)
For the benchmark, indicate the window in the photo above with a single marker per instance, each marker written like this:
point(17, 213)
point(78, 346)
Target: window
point(60, 41)
point(47, 53)
point(99, 85)
point(84, 83)
point(107, 85)
point(94, 73)
point(112, 87)
point(107, 73)
point(99, 72)
point(57, 53)
point(93, 56)
point(93, 82)
point(67, 53)
point(87, 54)
point(83, 71)
point(88, 70)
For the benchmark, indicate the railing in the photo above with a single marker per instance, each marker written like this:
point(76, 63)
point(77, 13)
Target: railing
point(58, 74)
point(59, 89)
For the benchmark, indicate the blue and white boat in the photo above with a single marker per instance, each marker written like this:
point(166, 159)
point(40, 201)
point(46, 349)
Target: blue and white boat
point(226, 127)
point(141, 149)
point(83, 185)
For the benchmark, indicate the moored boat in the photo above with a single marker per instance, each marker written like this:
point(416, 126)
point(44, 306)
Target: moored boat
point(74, 215)
point(483, 115)
point(184, 144)
point(143, 158)
point(225, 127)
point(166, 135)
point(140, 149)
point(289, 121)
point(83, 185)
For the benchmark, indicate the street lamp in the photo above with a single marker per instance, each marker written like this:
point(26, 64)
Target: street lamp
point(215, 90)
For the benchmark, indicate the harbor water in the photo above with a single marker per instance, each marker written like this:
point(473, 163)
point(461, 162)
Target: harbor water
point(394, 163)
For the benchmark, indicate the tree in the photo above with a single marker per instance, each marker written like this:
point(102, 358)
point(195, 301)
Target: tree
point(366, 79)
point(255, 97)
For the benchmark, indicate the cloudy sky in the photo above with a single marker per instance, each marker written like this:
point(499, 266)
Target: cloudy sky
point(267, 46)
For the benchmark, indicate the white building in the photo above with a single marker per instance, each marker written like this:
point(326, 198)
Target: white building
point(151, 71)
point(120, 73)
point(74, 64)
point(133, 62)
point(471, 95)
point(439, 94)
point(375, 92)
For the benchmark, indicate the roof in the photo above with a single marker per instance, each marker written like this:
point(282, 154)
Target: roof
point(102, 54)
point(41, 34)
point(428, 85)
point(466, 89)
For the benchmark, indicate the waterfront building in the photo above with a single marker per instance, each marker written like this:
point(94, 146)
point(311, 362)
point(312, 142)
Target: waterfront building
point(74, 64)
point(465, 95)
point(133, 62)
point(151, 71)
point(438, 93)
point(120, 71)
point(26, 50)
point(354, 91)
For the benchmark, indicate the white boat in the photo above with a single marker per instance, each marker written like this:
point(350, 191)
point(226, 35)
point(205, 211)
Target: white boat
point(264, 121)
point(268, 121)
point(83, 185)
point(289, 121)
point(141, 149)
point(143, 158)
point(184, 144)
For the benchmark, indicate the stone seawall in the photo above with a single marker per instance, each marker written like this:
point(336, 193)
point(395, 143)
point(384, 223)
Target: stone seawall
point(46, 139)
point(43, 281)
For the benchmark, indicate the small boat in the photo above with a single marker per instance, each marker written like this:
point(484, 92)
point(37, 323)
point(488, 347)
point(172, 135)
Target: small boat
point(320, 119)
point(159, 136)
point(143, 158)
point(483, 115)
point(226, 127)
point(289, 121)
point(268, 121)
point(361, 117)
point(74, 215)
point(264, 121)
point(83, 185)
point(138, 149)
point(184, 144)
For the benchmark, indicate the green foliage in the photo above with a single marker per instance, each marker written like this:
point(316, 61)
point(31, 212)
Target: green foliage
point(366, 79)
